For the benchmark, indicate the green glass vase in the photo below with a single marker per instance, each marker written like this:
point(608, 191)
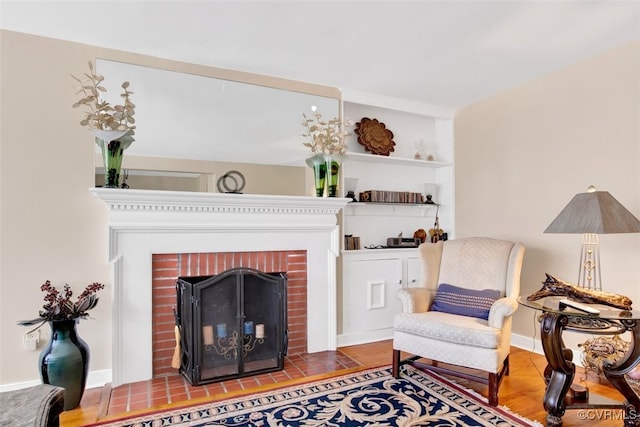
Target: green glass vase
point(319, 165)
point(64, 362)
point(112, 145)
point(333, 170)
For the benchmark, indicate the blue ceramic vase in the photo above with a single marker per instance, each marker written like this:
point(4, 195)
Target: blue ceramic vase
point(64, 362)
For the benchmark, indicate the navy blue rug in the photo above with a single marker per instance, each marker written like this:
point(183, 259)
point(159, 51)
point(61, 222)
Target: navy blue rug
point(366, 398)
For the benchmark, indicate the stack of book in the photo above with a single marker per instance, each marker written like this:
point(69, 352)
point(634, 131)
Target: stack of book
point(379, 196)
point(351, 242)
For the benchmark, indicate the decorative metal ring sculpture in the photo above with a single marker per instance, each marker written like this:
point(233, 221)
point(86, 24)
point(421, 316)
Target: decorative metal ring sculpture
point(231, 182)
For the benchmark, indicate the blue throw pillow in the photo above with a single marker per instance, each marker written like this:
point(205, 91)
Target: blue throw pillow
point(465, 302)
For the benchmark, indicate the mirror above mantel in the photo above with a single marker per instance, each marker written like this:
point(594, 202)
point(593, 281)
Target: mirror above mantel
point(195, 123)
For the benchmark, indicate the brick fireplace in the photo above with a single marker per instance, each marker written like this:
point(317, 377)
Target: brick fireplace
point(148, 227)
point(167, 267)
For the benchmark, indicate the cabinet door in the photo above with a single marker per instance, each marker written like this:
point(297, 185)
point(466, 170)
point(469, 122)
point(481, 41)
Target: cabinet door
point(414, 272)
point(369, 290)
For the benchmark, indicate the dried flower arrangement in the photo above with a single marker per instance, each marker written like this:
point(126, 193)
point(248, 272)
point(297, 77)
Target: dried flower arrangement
point(327, 137)
point(58, 305)
point(100, 114)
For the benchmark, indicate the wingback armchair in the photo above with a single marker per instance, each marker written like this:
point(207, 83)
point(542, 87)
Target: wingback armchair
point(460, 315)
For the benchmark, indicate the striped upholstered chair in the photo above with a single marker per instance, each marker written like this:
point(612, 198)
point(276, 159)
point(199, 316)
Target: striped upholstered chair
point(460, 316)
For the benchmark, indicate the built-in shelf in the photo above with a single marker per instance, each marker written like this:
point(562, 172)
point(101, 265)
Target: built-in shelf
point(381, 251)
point(390, 160)
point(392, 204)
point(372, 209)
point(371, 277)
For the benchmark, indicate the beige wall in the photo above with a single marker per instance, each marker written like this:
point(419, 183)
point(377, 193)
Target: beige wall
point(523, 154)
point(51, 227)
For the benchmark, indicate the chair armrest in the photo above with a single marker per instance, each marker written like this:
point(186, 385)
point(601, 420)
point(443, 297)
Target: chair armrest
point(501, 309)
point(414, 300)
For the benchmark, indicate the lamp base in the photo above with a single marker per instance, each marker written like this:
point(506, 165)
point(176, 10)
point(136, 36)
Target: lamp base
point(589, 269)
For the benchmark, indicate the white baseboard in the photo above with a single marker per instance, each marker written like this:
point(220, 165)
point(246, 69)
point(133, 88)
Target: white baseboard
point(96, 379)
point(535, 346)
point(364, 337)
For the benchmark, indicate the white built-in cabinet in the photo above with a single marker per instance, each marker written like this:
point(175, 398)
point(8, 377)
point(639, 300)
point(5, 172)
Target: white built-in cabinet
point(414, 270)
point(370, 282)
point(371, 277)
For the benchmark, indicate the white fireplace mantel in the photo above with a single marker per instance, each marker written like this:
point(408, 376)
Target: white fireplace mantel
point(146, 222)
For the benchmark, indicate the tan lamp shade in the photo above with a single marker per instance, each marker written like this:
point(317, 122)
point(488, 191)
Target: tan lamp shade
point(596, 212)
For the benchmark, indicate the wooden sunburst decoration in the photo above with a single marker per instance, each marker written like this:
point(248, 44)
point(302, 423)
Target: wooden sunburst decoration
point(374, 136)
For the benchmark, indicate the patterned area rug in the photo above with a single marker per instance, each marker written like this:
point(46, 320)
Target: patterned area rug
point(366, 398)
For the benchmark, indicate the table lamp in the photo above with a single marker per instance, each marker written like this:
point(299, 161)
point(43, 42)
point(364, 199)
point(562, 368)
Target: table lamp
point(590, 214)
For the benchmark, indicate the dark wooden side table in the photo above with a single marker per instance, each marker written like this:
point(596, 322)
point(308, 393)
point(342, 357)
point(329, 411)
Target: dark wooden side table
point(560, 369)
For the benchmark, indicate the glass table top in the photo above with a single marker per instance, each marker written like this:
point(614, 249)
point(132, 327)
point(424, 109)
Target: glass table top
point(552, 304)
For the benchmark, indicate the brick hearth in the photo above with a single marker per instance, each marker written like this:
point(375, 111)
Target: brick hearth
point(167, 267)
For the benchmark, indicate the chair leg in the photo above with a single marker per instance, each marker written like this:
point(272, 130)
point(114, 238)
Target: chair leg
point(493, 389)
point(495, 380)
point(395, 367)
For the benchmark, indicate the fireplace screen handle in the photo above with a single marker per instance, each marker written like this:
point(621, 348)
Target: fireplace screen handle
point(286, 341)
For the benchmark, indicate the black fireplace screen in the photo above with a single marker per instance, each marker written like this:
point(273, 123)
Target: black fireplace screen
point(232, 324)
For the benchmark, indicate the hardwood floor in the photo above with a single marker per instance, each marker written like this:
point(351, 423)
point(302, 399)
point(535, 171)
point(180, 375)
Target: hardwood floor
point(522, 391)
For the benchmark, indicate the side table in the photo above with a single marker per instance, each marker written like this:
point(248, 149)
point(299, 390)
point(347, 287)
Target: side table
point(560, 369)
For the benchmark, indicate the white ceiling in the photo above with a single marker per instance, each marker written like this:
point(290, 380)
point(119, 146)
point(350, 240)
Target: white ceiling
point(445, 53)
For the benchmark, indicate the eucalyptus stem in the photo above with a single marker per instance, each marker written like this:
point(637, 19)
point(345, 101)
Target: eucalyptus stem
point(100, 114)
